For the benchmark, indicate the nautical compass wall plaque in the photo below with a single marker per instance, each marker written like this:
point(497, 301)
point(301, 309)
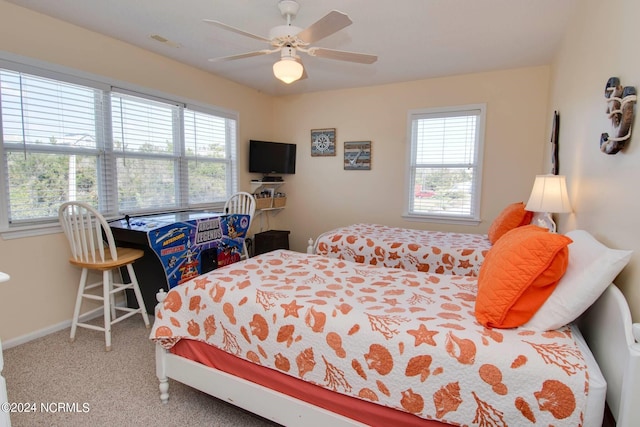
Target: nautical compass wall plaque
point(323, 142)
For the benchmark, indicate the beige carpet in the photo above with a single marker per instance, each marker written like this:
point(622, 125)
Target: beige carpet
point(118, 388)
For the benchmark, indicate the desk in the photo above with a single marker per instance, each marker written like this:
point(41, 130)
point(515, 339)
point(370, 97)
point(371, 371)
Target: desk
point(179, 246)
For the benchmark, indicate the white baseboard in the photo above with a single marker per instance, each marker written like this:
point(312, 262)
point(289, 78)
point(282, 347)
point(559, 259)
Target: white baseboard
point(50, 330)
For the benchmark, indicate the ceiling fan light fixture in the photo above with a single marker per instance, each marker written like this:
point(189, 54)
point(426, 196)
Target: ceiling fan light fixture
point(287, 39)
point(288, 70)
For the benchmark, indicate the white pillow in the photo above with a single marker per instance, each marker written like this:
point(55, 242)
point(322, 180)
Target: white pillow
point(592, 267)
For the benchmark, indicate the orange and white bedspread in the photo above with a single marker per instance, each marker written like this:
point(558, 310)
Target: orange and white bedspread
point(414, 250)
point(407, 340)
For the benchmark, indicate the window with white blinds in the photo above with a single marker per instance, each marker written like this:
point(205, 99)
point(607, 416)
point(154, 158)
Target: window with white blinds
point(445, 163)
point(211, 160)
point(147, 152)
point(120, 151)
point(52, 144)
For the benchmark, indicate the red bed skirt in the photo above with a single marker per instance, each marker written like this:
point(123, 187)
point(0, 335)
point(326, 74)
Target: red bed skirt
point(350, 407)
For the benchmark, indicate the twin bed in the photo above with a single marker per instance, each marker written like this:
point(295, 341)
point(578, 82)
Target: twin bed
point(430, 251)
point(304, 339)
point(414, 250)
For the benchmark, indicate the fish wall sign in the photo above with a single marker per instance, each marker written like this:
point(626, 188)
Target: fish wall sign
point(620, 110)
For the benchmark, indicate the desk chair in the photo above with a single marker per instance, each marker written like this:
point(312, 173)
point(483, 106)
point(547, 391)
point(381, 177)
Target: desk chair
point(242, 203)
point(93, 248)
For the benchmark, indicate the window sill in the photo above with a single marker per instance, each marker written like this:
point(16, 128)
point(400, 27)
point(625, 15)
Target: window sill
point(442, 219)
point(53, 227)
point(20, 232)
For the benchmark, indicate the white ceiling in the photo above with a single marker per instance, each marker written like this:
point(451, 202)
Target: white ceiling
point(413, 39)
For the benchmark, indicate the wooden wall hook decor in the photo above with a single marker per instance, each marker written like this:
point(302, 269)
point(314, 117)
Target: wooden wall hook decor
point(620, 102)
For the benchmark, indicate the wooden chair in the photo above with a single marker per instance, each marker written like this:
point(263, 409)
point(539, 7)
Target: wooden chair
point(242, 203)
point(93, 248)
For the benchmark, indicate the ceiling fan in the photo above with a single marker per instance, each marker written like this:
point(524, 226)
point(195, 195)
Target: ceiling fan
point(289, 39)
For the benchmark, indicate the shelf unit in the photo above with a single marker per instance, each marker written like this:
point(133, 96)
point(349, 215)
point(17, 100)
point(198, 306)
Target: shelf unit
point(271, 186)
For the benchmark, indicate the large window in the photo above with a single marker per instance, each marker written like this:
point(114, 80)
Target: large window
point(445, 164)
point(124, 152)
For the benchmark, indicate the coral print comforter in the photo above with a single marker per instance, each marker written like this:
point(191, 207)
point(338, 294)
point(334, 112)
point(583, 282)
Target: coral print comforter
point(406, 340)
point(409, 249)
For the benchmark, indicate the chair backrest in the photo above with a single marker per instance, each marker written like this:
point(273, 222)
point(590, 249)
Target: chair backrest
point(241, 203)
point(86, 230)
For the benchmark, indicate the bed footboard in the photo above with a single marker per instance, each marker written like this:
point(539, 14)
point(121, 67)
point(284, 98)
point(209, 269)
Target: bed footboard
point(242, 393)
point(608, 330)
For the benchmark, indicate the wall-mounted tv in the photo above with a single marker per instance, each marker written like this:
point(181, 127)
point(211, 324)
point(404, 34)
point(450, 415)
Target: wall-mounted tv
point(272, 157)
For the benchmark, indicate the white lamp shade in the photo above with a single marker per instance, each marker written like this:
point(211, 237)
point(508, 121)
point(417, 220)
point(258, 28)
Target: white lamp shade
point(549, 194)
point(288, 70)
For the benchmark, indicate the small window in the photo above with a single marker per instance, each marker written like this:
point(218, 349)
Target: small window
point(445, 161)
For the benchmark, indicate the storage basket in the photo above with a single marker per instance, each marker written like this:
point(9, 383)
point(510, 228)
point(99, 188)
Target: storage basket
point(279, 202)
point(263, 202)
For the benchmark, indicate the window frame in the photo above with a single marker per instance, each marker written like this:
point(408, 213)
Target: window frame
point(411, 149)
point(108, 200)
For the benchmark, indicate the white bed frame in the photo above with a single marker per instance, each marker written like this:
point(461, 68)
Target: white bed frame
point(311, 246)
point(606, 327)
point(613, 340)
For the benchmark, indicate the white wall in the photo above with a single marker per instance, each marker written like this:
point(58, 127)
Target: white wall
point(601, 42)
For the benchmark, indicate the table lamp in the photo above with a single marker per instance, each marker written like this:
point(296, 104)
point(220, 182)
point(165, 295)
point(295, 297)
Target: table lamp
point(549, 195)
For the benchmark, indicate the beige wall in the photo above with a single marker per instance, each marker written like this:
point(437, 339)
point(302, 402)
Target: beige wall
point(602, 42)
point(41, 292)
point(321, 195)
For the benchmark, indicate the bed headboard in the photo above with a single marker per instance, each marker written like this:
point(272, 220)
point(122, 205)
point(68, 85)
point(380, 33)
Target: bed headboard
point(608, 329)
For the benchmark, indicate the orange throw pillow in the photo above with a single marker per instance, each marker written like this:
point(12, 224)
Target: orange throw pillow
point(511, 217)
point(518, 274)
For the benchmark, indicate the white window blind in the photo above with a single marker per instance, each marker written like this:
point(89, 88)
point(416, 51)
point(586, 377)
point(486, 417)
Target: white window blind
point(444, 169)
point(211, 159)
point(121, 151)
point(52, 140)
point(146, 146)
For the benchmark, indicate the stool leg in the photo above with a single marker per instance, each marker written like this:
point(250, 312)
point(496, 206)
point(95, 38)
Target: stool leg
point(76, 309)
point(136, 290)
point(106, 294)
point(112, 300)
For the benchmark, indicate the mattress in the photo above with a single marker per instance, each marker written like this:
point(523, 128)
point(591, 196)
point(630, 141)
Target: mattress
point(404, 340)
point(414, 250)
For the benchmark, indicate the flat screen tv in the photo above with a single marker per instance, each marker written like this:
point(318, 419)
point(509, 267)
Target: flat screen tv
point(272, 157)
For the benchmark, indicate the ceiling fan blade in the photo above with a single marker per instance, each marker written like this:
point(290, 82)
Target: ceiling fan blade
point(242, 55)
point(341, 55)
point(332, 22)
point(236, 30)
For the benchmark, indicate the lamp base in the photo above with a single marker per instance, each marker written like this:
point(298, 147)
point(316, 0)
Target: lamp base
point(543, 219)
